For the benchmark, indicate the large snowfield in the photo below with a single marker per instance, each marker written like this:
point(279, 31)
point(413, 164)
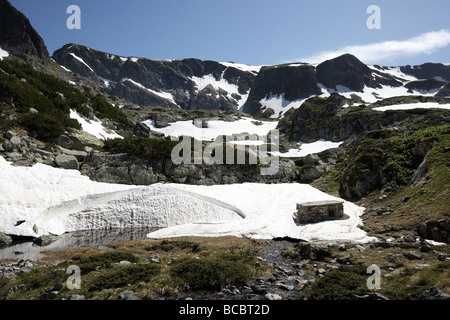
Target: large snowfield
point(45, 200)
point(215, 128)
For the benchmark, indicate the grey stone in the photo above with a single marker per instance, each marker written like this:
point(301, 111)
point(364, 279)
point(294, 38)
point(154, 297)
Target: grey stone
point(45, 240)
point(126, 295)
point(433, 293)
point(419, 175)
point(8, 146)
point(259, 289)
point(273, 296)
point(77, 297)
point(5, 239)
point(313, 251)
point(413, 255)
point(16, 141)
point(67, 162)
point(82, 139)
point(311, 159)
point(80, 155)
point(65, 142)
point(9, 134)
point(154, 259)
point(343, 257)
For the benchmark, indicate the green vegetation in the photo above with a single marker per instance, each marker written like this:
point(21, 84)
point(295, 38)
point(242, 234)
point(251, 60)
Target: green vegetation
point(184, 266)
point(386, 158)
point(344, 283)
point(88, 264)
point(213, 272)
point(122, 276)
point(167, 246)
point(51, 100)
point(412, 281)
point(150, 149)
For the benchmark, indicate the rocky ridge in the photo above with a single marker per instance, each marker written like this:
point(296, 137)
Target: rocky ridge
point(161, 83)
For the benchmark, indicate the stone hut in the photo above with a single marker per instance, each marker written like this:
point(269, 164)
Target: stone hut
point(311, 212)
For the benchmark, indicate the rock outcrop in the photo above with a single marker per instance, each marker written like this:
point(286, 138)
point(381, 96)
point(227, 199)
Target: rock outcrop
point(293, 82)
point(351, 73)
point(19, 38)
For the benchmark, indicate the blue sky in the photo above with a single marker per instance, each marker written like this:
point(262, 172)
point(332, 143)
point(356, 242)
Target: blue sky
point(257, 32)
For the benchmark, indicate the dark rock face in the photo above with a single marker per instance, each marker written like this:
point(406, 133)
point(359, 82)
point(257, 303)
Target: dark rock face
point(18, 37)
point(428, 71)
point(349, 72)
point(445, 91)
point(167, 84)
point(292, 81)
point(425, 85)
point(437, 230)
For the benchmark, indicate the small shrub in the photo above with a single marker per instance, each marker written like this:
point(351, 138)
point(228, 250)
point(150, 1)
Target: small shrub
point(167, 246)
point(213, 272)
point(340, 284)
point(121, 276)
point(103, 260)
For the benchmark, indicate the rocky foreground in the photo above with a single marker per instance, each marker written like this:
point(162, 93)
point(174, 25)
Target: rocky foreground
point(234, 269)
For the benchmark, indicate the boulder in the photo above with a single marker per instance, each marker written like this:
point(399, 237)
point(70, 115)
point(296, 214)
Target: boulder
point(5, 239)
point(313, 251)
point(82, 139)
point(127, 295)
point(65, 142)
point(45, 240)
point(67, 162)
point(433, 293)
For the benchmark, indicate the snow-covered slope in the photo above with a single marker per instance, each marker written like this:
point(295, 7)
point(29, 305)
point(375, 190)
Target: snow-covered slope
point(40, 200)
point(215, 128)
point(94, 127)
point(409, 106)
point(269, 210)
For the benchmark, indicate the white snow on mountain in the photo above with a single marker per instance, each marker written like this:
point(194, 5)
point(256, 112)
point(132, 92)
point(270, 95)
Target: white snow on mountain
point(231, 89)
point(81, 60)
point(279, 105)
point(164, 95)
point(215, 128)
point(94, 127)
point(242, 67)
point(41, 199)
point(3, 54)
point(410, 106)
point(305, 149)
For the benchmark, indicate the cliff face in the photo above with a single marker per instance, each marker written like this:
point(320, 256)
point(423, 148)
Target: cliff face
point(19, 38)
point(351, 73)
point(294, 82)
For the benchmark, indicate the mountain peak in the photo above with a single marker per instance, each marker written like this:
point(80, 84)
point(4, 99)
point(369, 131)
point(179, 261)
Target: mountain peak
point(18, 37)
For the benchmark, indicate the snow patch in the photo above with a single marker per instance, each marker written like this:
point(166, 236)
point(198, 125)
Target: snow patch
point(164, 95)
point(280, 105)
point(94, 127)
point(410, 106)
point(106, 81)
point(242, 67)
point(203, 82)
point(215, 128)
point(81, 60)
point(3, 53)
point(308, 148)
